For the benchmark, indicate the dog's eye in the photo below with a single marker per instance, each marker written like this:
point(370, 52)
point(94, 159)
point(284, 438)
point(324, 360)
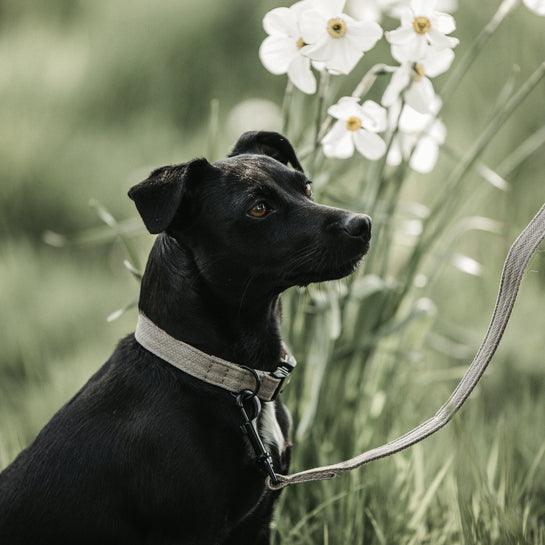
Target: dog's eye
point(308, 190)
point(259, 210)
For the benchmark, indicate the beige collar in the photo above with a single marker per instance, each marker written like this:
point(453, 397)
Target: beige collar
point(224, 374)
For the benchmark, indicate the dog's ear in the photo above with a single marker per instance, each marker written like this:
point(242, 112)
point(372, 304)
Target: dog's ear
point(158, 197)
point(267, 143)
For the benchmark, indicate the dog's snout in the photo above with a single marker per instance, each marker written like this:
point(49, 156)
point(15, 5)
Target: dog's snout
point(358, 225)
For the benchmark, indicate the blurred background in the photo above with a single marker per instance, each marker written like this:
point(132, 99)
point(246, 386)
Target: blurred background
point(94, 95)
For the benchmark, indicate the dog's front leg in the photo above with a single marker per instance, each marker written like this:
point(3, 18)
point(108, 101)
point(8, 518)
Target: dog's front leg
point(255, 529)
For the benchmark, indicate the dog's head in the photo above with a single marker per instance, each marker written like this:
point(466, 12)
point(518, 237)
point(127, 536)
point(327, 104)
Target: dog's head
point(250, 221)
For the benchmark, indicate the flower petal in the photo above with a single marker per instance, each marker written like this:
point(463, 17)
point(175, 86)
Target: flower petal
point(424, 155)
point(337, 132)
point(440, 40)
point(299, 7)
point(419, 47)
point(365, 33)
point(276, 53)
point(401, 35)
point(320, 51)
point(420, 95)
point(537, 6)
point(344, 56)
point(394, 154)
point(278, 21)
point(373, 116)
point(346, 107)
point(407, 142)
point(404, 14)
point(437, 61)
point(329, 8)
point(369, 144)
point(412, 121)
point(423, 7)
point(438, 131)
point(301, 75)
point(318, 65)
point(366, 11)
point(313, 26)
point(401, 53)
point(338, 142)
point(399, 81)
point(447, 6)
point(444, 23)
point(339, 55)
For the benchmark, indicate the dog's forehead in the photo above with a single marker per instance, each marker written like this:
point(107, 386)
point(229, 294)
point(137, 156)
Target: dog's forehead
point(252, 169)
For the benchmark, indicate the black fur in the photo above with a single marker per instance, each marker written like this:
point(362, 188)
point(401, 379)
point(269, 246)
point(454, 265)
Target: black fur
point(145, 454)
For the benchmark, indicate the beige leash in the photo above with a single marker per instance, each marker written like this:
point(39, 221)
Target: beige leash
point(520, 253)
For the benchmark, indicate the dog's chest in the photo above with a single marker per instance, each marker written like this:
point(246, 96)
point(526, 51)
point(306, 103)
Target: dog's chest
point(271, 433)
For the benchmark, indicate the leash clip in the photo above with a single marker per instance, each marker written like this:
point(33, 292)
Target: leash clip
point(249, 426)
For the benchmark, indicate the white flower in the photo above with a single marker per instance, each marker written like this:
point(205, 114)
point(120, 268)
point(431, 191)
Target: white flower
point(281, 53)
point(396, 9)
point(372, 10)
point(357, 126)
point(375, 9)
point(537, 6)
point(335, 38)
point(419, 137)
point(421, 26)
point(447, 5)
point(412, 81)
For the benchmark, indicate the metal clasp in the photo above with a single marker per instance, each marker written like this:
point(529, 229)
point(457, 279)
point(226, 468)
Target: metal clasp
point(249, 426)
point(283, 373)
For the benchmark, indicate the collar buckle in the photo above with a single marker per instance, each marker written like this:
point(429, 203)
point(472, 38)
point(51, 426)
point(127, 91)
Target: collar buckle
point(283, 374)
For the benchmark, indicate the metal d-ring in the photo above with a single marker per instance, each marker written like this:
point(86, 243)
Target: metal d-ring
point(257, 380)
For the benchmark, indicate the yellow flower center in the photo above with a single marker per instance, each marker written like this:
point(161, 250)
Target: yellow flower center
point(336, 27)
point(300, 43)
point(421, 24)
point(353, 123)
point(419, 72)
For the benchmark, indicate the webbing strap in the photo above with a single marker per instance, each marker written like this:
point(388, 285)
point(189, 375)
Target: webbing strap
point(520, 253)
point(222, 373)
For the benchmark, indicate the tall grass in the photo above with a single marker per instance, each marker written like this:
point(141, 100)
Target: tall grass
point(362, 340)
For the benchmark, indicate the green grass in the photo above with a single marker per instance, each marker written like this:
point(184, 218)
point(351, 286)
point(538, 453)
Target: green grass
point(97, 94)
point(479, 480)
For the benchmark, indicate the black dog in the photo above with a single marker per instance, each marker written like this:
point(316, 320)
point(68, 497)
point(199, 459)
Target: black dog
point(146, 453)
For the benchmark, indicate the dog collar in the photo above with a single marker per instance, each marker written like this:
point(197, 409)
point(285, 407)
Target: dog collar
point(210, 369)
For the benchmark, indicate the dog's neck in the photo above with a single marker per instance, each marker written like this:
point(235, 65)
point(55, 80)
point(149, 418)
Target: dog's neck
point(176, 299)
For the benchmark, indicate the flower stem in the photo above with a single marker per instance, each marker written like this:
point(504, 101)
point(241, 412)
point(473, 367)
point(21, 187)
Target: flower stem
point(380, 187)
point(475, 151)
point(360, 91)
point(400, 177)
point(447, 202)
point(461, 68)
point(368, 80)
point(324, 83)
point(286, 106)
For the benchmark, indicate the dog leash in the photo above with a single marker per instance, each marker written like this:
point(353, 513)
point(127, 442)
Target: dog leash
point(520, 253)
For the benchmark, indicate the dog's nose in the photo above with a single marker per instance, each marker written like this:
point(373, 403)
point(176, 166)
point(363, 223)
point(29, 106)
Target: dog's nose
point(358, 225)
